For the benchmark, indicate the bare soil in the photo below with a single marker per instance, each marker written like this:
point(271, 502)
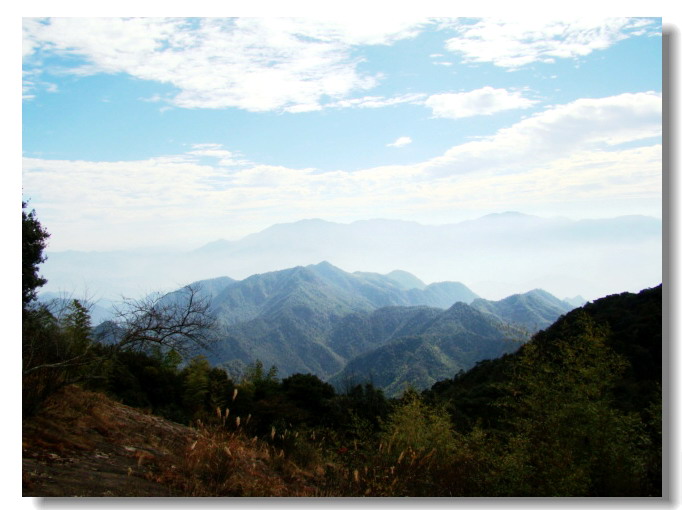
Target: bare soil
point(84, 444)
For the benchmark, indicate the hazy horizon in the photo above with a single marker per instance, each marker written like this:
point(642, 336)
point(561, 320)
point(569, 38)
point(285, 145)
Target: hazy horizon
point(183, 247)
point(495, 255)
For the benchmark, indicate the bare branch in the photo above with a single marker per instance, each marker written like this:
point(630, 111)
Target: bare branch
point(181, 320)
point(76, 361)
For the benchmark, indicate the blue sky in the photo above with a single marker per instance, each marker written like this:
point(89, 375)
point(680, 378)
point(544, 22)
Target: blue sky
point(172, 132)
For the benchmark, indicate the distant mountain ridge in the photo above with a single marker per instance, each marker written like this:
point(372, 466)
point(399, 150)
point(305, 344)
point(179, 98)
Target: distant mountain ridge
point(496, 255)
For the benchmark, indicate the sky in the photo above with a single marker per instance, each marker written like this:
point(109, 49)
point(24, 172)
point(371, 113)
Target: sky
point(170, 132)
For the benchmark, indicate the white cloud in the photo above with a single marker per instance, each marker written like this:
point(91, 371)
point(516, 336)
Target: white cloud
point(289, 64)
point(596, 124)
point(216, 151)
point(592, 179)
point(30, 42)
point(516, 43)
point(483, 101)
point(568, 154)
point(377, 101)
point(401, 142)
point(256, 64)
point(361, 30)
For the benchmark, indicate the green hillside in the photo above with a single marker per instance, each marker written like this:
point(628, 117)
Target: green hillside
point(438, 346)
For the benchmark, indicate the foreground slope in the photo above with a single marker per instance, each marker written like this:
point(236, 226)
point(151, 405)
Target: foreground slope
point(83, 444)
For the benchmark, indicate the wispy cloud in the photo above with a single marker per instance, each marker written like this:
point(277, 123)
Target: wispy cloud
point(513, 44)
point(378, 101)
point(400, 142)
point(289, 64)
point(256, 64)
point(483, 101)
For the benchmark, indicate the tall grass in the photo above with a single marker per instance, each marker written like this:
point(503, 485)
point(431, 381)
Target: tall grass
point(228, 462)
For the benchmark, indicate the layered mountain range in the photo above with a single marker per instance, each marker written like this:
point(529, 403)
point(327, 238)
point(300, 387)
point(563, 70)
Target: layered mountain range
point(391, 329)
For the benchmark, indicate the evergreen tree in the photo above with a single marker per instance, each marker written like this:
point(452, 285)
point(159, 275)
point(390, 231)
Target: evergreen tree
point(567, 438)
point(196, 393)
point(33, 242)
point(77, 327)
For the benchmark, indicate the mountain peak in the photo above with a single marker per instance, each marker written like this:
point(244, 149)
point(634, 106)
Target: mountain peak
point(311, 221)
point(576, 301)
point(406, 280)
point(541, 293)
point(535, 309)
point(325, 264)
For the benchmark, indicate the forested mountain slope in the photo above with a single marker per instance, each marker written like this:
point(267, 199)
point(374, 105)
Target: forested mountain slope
point(578, 409)
point(434, 346)
point(319, 319)
point(535, 310)
point(288, 318)
point(632, 329)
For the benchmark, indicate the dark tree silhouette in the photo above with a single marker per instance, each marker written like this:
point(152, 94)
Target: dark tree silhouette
point(33, 242)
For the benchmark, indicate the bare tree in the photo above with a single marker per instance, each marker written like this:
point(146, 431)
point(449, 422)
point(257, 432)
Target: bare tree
point(58, 348)
point(181, 321)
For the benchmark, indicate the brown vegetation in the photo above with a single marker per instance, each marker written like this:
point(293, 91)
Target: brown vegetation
point(82, 443)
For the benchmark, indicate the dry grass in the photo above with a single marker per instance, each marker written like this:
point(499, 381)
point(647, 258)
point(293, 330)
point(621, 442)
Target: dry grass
point(221, 462)
point(82, 443)
point(132, 453)
point(68, 419)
